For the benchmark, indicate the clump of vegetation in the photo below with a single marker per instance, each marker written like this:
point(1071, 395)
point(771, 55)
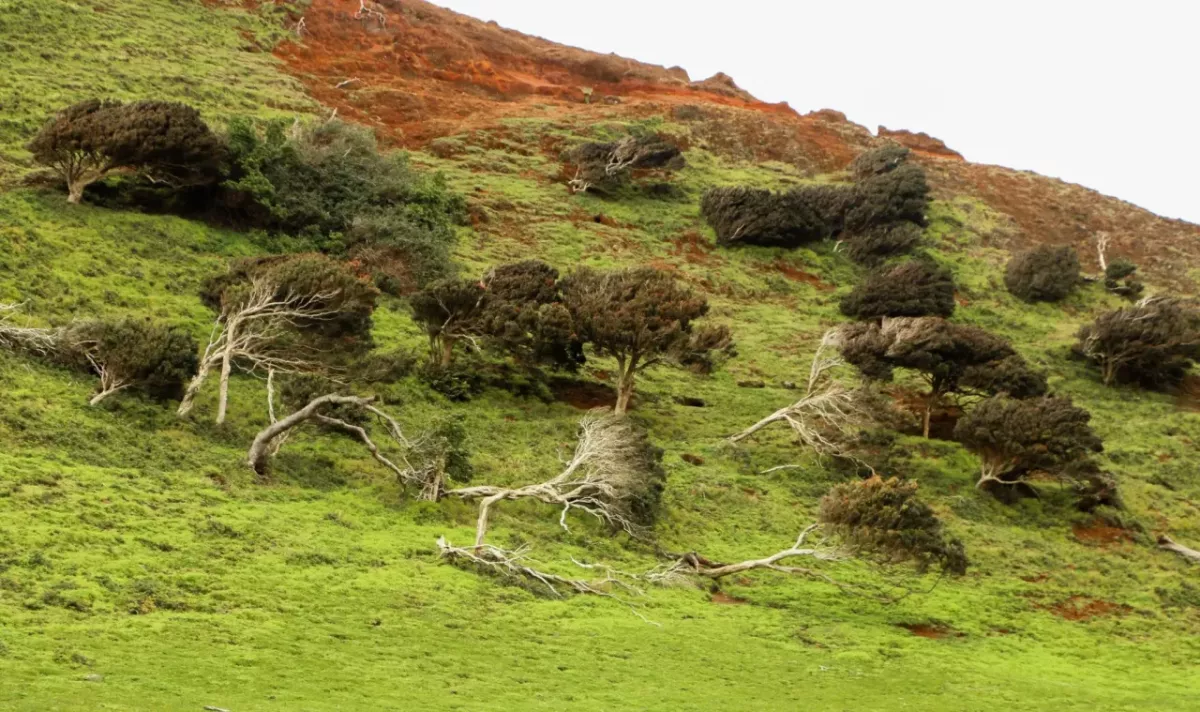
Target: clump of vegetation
point(641, 317)
point(93, 139)
point(1153, 343)
point(1043, 274)
point(886, 518)
point(1120, 278)
point(882, 242)
point(155, 359)
point(914, 288)
point(515, 309)
point(878, 161)
point(329, 185)
point(607, 168)
point(897, 196)
point(1015, 439)
point(753, 216)
point(951, 358)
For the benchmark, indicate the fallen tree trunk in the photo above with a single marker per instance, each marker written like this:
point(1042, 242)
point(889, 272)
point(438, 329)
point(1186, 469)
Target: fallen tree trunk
point(259, 457)
point(1167, 543)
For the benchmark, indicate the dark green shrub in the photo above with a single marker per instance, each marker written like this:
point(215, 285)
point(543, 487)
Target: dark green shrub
point(1120, 278)
point(1015, 438)
point(882, 242)
point(92, 139)
point(607, 168)
point(1153, 343)
point(156, 359)
point(885, 518)
point(754, 216)
point(1043, 274)
point(915, 288)
point(878, 161)
point(900, 195)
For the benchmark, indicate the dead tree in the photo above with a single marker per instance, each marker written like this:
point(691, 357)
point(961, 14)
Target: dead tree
point(1167, 543)
point(247, 333)
point(693, 564)
point(368, 11)
point(23, 338)
point(266, 443)
point(604, 474)
point(1101, 249)
point(827, 414)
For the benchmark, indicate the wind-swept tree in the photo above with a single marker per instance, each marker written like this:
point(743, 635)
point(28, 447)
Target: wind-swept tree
point(754, 216)
point(1043, 274)
point(882, 242)
point(92, 139)
point(899, 195)
point(1015, 438)
point(951, 358)
point(1154, 342)
point(640, 316)
point(285, 314)
point(914, 288)
point(131, 353)
point(878, 161)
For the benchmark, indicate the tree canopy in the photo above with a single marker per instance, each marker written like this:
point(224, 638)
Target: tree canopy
point(914, 288)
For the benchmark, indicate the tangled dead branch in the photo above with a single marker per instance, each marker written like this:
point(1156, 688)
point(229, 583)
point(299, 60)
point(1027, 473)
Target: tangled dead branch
point(827, 415)
point(22, 338)
point(607, 472)
point(370, 11)
point(693, 564)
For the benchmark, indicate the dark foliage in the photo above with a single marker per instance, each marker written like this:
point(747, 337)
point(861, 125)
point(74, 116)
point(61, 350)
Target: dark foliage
point(1043, 274)
point(1120, 277)
point(329, 185)
point(644, 501)
point(607, 168)
point(1093, 487)
point(914, 288)
point(878, 161)
point(449, 309)
point(885, 518)
point(1015, 438)
point(1152, 343)
point(167, 141)
point(156, 359)
point(640, 316)
point(444, 450)
point(900, 195)
point(754, 216)
point(882, 242)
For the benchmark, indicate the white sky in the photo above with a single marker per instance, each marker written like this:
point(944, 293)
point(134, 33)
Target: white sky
point(1105, 93)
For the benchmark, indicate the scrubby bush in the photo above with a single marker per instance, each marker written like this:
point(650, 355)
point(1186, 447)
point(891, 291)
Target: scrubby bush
point(1016, 438)
point(156, 359)
point(755, 216)
point(329, 185)
point(878, 161)
point(886, 518)
point(92, 139)
point(882, 242)
point(607, 168)
point(900, 195)
point(914, 288)
point(1120, 278)
point(449, 310)
point(1153, 343)
point(640, 317)
point(1043, 274)
point(952, 358)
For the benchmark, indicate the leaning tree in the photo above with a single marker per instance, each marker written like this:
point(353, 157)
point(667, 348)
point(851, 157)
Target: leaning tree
point(899, 195)
point(1016, 438)
point(1043, 274)
point(951, 358)
point(1154, 342)
point(606, 168)
point(914, 288)
point(641, 317)
point(166, 141)
point(155, 359)
point(285, 314)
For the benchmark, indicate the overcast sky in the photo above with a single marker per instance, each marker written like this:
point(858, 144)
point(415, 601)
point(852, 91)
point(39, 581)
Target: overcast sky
point(1105, 93)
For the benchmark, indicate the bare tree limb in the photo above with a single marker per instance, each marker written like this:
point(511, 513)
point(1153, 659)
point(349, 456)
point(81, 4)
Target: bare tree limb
point(259, 455)
point(1167, 543)
point(21, 338)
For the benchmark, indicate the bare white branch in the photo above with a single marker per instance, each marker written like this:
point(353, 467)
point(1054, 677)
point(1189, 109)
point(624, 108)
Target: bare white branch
point(1167, 543)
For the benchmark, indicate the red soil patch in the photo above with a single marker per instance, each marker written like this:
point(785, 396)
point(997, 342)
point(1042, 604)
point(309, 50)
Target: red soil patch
point(1039, 578)
point(796, 274)
point(726, 599)
point(933, 631)
point(583, 395)
point(1082, 608)
point(692, 247)
point(1099, 533)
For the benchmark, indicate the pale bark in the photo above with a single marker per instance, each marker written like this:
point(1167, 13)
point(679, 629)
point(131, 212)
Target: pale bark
point(1167, 543)
point(260, 450)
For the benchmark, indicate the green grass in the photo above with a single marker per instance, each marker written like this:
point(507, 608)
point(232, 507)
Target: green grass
point(136, 547)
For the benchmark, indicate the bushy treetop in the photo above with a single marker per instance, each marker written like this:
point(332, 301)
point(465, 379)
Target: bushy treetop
point(899, 195)
point(1154, 342)
point(914, 288)
point(1046, 273)
point(878, 161)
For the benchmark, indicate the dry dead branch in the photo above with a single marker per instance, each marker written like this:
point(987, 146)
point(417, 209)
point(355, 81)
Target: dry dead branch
point(346, 83)
point(693, 564)
point(1167, 543)
point(827, 414)
point(246, 334)
point(368, 11)
point(1101, 249)
point(23, 338)
point(598, 479)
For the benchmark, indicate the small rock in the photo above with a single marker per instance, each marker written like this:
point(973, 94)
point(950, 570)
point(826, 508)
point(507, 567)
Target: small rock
point(94, 677)
point(692, 459)
point(789, 385)
point(751, 384)
point(690, 401)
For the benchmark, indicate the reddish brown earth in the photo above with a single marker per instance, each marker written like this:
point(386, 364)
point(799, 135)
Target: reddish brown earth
point(430, 73)
point(933, 631)
point(726, 599)
point(1099, 533)
point(1082, 608)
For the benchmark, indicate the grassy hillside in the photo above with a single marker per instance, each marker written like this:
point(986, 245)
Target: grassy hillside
point(142, 568)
